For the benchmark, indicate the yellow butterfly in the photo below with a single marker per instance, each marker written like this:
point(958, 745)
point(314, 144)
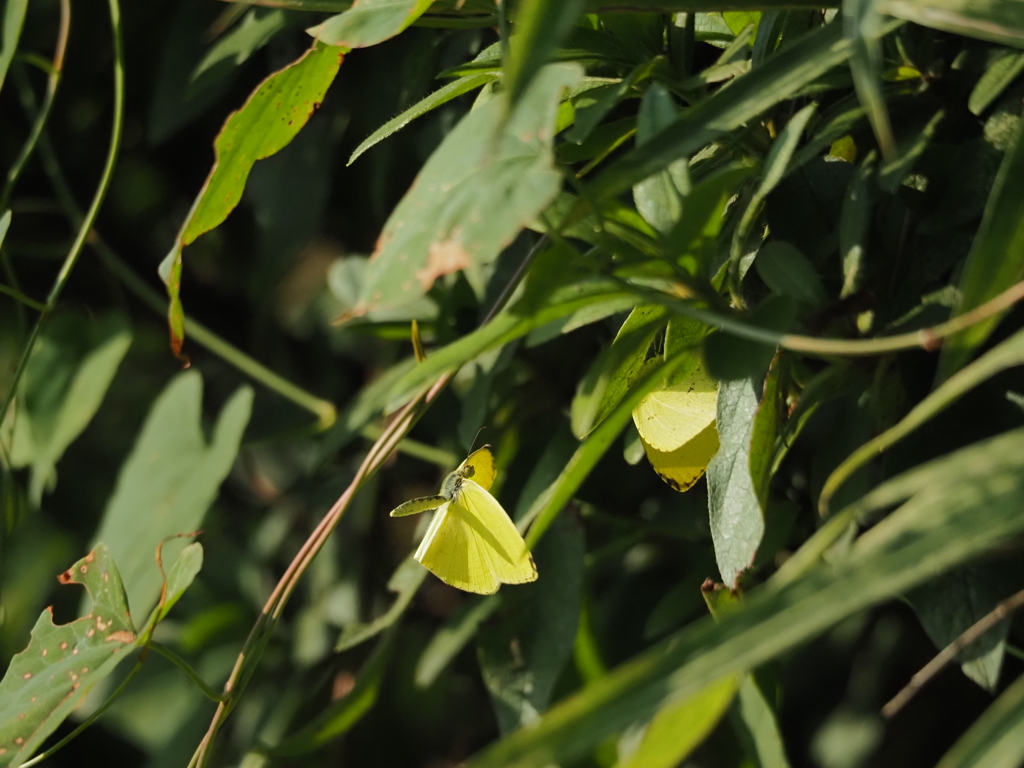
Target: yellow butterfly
point(677, 428)
point(471, 543)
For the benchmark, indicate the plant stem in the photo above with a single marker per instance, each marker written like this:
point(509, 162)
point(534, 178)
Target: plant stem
point(20, 297)
point(97, 200)
point(55, 69)
point(185, 667)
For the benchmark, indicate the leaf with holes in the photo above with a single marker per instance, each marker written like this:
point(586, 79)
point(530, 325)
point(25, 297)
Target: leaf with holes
point(275, 112)
point(490, 178)
point(61, 664)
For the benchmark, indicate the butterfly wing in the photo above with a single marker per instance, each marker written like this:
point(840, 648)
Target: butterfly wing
point(496, 536)
point(453, 552)
point(669, 418)
point(479, 467)
point(415, 506)
point(685, 465)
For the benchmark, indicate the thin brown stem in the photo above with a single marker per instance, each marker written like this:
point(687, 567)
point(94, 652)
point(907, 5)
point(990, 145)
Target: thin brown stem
point(950, 652)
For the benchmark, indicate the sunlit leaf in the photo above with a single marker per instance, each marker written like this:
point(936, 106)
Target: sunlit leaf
point(369, 22)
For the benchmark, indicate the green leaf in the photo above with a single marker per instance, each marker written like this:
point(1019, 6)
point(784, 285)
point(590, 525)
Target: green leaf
point(13, 21)
point(339, 718)
point(893, 172)
point(540, 27)
point(406, 579)
point(257, 28)
point(659, 198)
point(180, 577)
point(788, 272)
point(272, 116)
point(758, 724)
point(952, 603)
point(441, 96)
point(678, 729)
point(954, 517)
point(737, 520)
point(68, 374)
point(997, 78)
point(452, 637)
point(61, 664)
point(490, 177)
point(172, 474)
point(778, 79)
point(996, 260)
point(609, 378)
point(854, 222)
point(730, 357)
point(524, 647)
point(369, 22)
point(996, 739)
point(766, 429)
point(1000, 21)
point(862, 26)
point(548, 504)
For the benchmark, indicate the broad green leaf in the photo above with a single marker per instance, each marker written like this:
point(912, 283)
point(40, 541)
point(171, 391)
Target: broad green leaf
point(524, 647)
point(13, 21)
point(778, 79)
point(180, 577)
point(1007, 354)
point(441, 96)
point(540, 26)
point(996, 739)
point(403, 582)
point(61, 664)
point(737, 520)
point(955, 517)
point(490, 177)
point(996, 260)
point(609, 378)
point(730, 357)
point(369, 22)
point(169, 481)
point(71, 367)
point(952, 603)
point(659, 198)
point(1000, 21)
point(272, 116)
point(452, 637)
point(339, 718)
point(789, 273)
point(678, 729)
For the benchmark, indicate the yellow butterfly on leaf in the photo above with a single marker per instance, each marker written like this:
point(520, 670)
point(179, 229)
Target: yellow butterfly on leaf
point(471, 543)
point(677, 428)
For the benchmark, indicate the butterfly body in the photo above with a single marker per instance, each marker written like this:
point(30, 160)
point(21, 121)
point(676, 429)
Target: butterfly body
point(471, 543)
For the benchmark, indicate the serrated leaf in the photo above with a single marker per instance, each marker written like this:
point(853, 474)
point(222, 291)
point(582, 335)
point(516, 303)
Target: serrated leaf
point(173, 474)
point(369, 22)
point(61, 664)
point(737, 520)
point(489, 179)
point(271, 117)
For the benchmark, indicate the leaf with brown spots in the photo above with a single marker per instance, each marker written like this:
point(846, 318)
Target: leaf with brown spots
point(47, 680)
point(491, 176)
point(275, 112)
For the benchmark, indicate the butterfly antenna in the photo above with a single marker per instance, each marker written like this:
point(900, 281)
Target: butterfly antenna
point(475, 437)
